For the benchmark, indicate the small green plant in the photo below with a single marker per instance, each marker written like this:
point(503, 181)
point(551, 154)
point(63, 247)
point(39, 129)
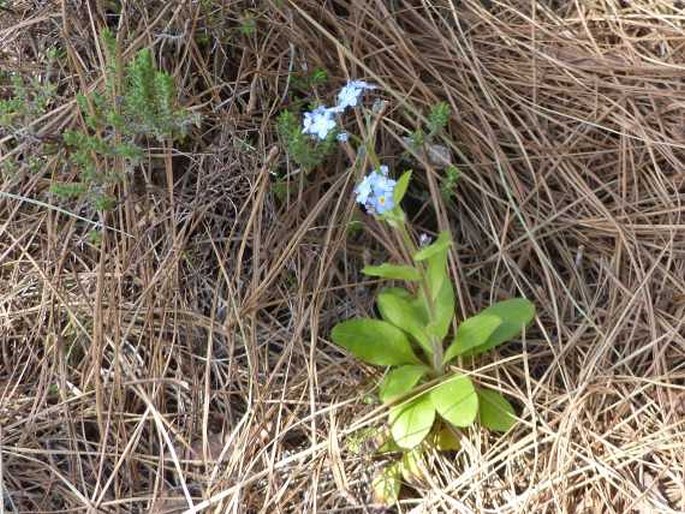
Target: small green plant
point(149, 102)
point(15, 106)
point(422, 142)
point(27, 102)
point(416, 320)
point(95, 237)
point(438, 118)
point(437, 121)
point(428, 398)
point(412, 340)
point(303, 150)
point(449, 181)
point(248, 24)
point(304, 82)
point(139, 102)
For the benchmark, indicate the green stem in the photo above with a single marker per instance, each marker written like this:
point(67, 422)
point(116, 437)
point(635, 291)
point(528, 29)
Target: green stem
point(436, 344)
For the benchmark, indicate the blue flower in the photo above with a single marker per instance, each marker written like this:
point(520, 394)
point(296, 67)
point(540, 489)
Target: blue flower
point(382, 202)
point(365, 189)
point(343, 137)
point(350, 93)
point(319, 122)
point(376, 191)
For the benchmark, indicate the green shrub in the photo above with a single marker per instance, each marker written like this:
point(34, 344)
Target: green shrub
point(139, 103)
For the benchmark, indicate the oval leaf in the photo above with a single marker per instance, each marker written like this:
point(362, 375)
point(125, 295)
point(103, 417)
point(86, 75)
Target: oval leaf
point(413, 467)
point(400, 381)
point(495, 413)
point(437, 272)
point(420, 307)
point(515, 314)
point(456, 401)
point(374, 341)
point(446, 440)
point(417, 302)
point(440, 303)
point(396, 271)
point(411, 421)
point(398, 291)
point(401, 187)
point(443, 311)
point(386, 485)
point(401, 313)
point(472, 332)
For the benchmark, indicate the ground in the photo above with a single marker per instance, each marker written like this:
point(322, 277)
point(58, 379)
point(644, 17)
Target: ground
point(165, 309)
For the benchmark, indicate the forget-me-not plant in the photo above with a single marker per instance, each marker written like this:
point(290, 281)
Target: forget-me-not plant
point(418, 341)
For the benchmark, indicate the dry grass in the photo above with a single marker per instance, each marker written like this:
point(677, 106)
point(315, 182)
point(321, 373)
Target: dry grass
point(186, 361)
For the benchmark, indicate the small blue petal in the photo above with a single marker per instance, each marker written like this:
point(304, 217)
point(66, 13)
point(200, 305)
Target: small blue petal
point(363, 191)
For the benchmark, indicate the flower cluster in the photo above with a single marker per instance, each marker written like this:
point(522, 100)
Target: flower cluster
point(349, 95)
point(376, 191)
point(320, 121)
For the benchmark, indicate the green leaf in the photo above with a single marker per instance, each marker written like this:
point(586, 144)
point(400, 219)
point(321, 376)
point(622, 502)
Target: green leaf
point(443, 311)
point(446, 440)
point(437, 273)
point(401, 187)
point(388, 445)
point(441, 244)
point(472, 332)
point(411, 421)
point(496, 413)
point(401, 313)
point(439, 303)
point(417, 303)
point(395, 217)
point(386, 485)
point(400, 381)
point(421, 308)
point(399, 291)
point(374, 341)
point(455, 400)
point(515, 314)
point(413, 466)
point(439, 116)
point(396, 271)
